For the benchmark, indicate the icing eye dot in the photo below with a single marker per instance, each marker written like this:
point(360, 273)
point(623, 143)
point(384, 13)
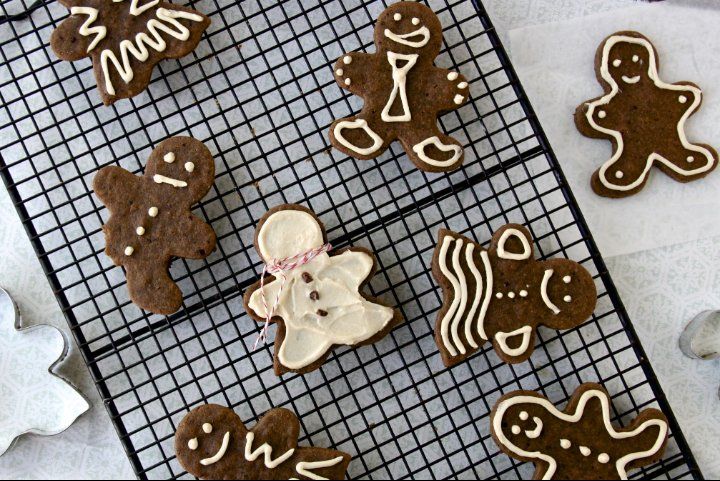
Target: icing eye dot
point(499, 295)
point(347, 60)
point(691, 159)
point(682, 99)
point(524, 416)
point(153, 211)
point(585, 451)
point(339, 72)
point(619, 174)
point(348, 81)
point(516, 429)
point(415, 21)
point(397, 17)
point(565, 444)
point(129, 251)
point(617, 63)
point(567, 298)
point(462, 85)
point(140, 231)
point(453, 76)
point(636, 58)
point(207, 428)
point(523, 293)
point(603, 458)
point(169, 157)
point(190, 167)
point(193, 444)
point(602, 114)
point(567, 279)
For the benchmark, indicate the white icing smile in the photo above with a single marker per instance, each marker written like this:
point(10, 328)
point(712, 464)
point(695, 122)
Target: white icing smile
point(544, 294)
point(221, 452)
point(537, 431)
point(631, 80)
point(161, 179)
point(404, 38)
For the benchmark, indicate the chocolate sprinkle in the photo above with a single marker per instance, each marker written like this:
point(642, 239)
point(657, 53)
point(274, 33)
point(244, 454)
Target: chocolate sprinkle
point(314, 295)
point(307, 277)
point(322, 313)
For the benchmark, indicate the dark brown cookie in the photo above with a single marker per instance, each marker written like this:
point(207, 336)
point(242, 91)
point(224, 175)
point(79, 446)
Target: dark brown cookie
point(212, 442)
point(643, 117)
point(503, 294)
point(125, 39)
point(404, 92)
point(579, 442)
point(321, 303)
point(150, 220)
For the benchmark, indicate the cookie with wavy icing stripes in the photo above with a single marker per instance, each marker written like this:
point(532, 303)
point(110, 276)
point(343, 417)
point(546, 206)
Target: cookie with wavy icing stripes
point(323, 304)
point(644, 118)
point(580, 442)
point(502, 294)
point(403, 92)
point(212, 442)
point(125, 39)
point(151, 222)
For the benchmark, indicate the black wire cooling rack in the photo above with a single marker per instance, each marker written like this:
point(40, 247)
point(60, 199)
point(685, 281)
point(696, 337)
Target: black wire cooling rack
point(259, 91)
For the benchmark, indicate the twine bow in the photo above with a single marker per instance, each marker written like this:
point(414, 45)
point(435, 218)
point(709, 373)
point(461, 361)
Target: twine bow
point(279, 268)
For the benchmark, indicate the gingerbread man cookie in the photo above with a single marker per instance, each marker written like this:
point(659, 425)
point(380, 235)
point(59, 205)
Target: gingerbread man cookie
point(316, 297)
point(150, 220)
point(212, 442)
point(644, 118)
point(125, 39)
point(503, 294)
point(403, 92)
point(579, 442)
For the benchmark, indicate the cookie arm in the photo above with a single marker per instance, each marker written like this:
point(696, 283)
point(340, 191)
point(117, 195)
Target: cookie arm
point(351, 72)
point(114, 184)
point(196, 239)
point(452, 89)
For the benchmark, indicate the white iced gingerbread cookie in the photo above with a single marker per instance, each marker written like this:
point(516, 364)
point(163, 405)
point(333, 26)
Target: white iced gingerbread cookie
point(318, 299)
point(644, 118)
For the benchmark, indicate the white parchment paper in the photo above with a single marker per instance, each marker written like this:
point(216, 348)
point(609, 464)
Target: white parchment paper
point(555, 62)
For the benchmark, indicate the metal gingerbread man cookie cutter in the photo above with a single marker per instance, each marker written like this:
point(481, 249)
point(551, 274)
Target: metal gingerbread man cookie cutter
point(701, 337)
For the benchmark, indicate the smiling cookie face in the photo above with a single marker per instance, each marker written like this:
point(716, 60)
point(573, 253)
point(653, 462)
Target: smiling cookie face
point(628, 62)
point(406, 27)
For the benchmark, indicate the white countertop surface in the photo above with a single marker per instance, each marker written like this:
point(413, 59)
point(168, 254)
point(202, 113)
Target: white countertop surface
point(661, 288)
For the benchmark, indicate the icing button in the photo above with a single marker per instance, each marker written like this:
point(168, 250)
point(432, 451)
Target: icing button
point(499, 295)
point(619, 174)
point(683, 99)
point(602, 114)
point(129, 251)
point(691, 159)
point(347, 60)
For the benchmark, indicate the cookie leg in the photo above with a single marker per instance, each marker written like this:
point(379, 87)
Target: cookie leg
point(153, 290)
point(686, 164)
point(433, 151)
point(624, 174)
point(356, 137)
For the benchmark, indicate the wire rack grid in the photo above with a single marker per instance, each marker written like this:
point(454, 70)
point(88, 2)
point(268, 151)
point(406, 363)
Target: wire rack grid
point(259, 91)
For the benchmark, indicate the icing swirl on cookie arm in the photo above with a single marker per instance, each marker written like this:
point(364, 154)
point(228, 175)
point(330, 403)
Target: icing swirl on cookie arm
point(306, 468)
point(100, 31)
point(166, 21)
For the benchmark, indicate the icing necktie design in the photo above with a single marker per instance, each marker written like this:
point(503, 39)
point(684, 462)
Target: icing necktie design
point(123, 63)
point(502, 294)
point(150, 220)
point(228, 450)
point(644, 118)
point(403, 92)
point(579, 442)
point(320, 303)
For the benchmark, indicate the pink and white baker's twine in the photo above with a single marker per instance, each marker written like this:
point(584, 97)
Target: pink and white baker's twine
point(281, 267)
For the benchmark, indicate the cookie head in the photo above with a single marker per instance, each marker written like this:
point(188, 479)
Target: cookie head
point(185, 164)
point(208, 440)
point(288, 232)
point(629, 60)
point(522, 425)
point(568, 294)
point(409, 28)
